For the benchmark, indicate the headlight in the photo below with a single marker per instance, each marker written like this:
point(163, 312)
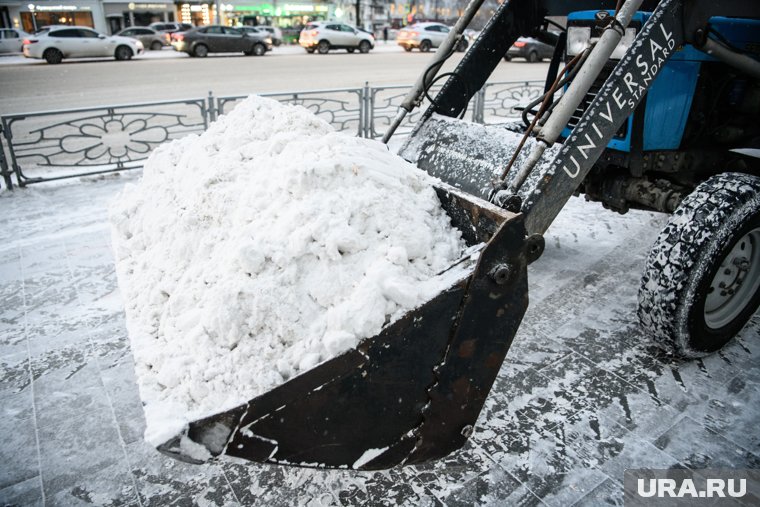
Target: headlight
point(139, 44)
point(579, 38)
point(268, 40)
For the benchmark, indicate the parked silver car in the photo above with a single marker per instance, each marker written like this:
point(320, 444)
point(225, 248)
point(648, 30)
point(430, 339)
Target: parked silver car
point(58, 42)
point(150, 38)
point(12, 40)
point(425, 36)
point(274, 32)
point(324, 36)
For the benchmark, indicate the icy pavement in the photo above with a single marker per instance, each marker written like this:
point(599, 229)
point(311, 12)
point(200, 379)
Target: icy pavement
point(582, 396)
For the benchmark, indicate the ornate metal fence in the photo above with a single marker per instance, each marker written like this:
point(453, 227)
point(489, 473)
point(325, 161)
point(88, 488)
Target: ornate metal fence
point(52, 145)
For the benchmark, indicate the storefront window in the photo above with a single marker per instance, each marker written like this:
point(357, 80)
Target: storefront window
point(33, 22)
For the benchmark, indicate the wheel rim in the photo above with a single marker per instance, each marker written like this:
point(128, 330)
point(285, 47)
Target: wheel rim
point(737, 279)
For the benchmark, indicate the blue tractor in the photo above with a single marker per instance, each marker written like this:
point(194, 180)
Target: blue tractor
point(647, 104)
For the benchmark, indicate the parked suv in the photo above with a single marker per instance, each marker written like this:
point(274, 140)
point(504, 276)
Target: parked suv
point(425, 36)
point(149, 37)
point(203, 40)
point(324, 36)
point(58, 42)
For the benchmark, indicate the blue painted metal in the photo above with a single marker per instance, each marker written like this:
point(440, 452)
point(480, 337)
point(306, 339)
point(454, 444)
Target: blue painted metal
point(670, 96)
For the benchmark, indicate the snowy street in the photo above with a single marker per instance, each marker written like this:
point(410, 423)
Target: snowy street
point(582, 396)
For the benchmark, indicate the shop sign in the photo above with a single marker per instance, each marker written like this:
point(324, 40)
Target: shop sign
point(56, 8)
point(133, 6)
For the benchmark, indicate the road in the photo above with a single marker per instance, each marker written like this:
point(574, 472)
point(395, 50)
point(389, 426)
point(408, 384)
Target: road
point(27, 86)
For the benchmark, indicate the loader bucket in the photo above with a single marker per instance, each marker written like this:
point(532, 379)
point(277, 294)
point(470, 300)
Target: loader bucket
point(408, 395)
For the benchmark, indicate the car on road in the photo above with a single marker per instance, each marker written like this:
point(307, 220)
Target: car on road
point(324, 36)
point(265, 32)
point(169, 28)
point(274, 32)
point(150, 38)
point(12, 40)
point(203, 40)
point(533, 50)
point(425, 36)
point(58, 42)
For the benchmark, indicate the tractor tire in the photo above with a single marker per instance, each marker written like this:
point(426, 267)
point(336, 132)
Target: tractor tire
point(122, 53)
point(701, 283)
point(201, 51)
point(53, 56)
point(364, 47)
point(323, 47)
point(425, 46)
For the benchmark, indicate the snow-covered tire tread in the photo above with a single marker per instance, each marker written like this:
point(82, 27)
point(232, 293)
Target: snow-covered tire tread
point(696, 234)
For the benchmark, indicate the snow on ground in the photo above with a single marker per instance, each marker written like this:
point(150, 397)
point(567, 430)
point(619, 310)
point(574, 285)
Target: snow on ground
point(248, 255)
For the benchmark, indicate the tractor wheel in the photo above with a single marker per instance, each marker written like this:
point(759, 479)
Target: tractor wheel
point(323, 47)
point(201, 51)
point(701, 283)
point(123, 53)
point(425, 46)
point(53, 56)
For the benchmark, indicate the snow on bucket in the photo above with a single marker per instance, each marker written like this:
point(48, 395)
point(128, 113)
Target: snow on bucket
point(262, 248)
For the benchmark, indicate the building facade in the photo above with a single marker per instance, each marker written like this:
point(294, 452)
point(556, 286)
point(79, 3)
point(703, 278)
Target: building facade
point(110, 16)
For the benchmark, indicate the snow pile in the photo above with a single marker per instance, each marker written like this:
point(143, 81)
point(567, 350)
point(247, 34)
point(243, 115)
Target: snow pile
point(263, 247)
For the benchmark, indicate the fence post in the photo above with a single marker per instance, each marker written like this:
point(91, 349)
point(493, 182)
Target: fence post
point(480, 105)
point(4, 171)
point(366, 120)
point(211, 108)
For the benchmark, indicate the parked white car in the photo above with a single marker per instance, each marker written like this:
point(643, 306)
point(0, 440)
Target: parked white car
point(11, 40)
point(324, 36)
point(425, 36)
point(59, 42)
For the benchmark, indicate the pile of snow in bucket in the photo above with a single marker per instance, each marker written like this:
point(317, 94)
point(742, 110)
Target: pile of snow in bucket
point(264, 246)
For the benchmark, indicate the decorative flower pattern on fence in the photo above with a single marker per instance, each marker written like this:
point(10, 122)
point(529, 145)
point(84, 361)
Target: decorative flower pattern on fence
point(115, 139)
point(101, 140)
